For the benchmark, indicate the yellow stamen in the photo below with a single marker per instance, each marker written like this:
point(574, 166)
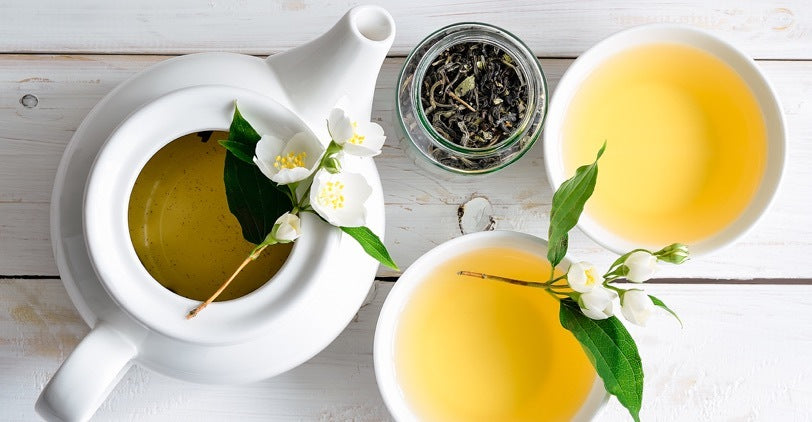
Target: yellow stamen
point(590, 276)
point(290, 161)
point(356, 138)
point(332, 195)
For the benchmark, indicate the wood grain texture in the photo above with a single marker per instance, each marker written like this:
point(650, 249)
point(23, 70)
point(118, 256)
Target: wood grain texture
point(770, 29)
point(743, 360)
point(743, 355)
point(421, 209)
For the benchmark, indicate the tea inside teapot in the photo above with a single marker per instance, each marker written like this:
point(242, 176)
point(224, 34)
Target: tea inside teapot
point(181, 227)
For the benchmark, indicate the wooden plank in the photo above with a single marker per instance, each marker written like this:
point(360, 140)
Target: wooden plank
point(742, 356)
point(772, 29)
point(421, 210)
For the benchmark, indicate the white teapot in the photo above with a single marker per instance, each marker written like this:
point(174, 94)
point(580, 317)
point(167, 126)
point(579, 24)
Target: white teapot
point(136, 320)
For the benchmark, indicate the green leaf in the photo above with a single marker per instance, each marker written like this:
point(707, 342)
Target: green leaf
point(568, 204)
point(372, 245)
point(242, 131)
point(254, 199)
point(557, 248)
point(660, 303)
point(240, 150)
point(612, 351)
point(242, 138)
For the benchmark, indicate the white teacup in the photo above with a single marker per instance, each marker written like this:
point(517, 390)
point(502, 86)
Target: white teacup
point(400, 295)
point(740, 62)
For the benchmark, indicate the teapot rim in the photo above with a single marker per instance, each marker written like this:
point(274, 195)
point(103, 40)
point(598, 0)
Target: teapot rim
point(132, 288)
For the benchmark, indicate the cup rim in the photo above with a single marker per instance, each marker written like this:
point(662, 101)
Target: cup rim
point(412, 278)
point(747, 69)
point(110, 248)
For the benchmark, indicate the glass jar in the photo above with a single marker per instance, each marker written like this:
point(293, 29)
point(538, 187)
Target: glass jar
point(442, 153)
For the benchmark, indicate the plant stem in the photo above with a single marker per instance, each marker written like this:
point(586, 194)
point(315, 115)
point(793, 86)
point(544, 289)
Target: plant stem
point(515, 281)
point(503, 279)
point(292, 192)
point(547, 286)
point(454, 96)
point(562, 277)
point(254, 254)
point(611, 287)
point(305, 202)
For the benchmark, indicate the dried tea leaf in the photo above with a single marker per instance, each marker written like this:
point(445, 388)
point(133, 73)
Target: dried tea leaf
point(475, 96)
point(465, 86)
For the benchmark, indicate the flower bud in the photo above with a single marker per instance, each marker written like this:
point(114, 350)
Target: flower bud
point(581, 277)
point(332, 165)
point(287, 228)
point(597, 303)
point(675, 253)
point(636, 306)
point(641, 266)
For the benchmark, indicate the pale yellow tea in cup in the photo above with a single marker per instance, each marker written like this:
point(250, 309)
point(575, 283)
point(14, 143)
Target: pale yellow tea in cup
point(686, 143)
point(181, 227)
point(472, 350)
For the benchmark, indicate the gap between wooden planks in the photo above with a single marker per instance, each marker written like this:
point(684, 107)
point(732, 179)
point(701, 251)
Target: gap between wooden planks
point(421, 211)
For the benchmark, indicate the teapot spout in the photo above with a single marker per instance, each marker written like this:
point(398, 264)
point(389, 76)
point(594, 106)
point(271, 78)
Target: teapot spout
point(343, 63)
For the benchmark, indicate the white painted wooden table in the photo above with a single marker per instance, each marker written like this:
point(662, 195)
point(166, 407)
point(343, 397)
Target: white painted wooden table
point(744, 353)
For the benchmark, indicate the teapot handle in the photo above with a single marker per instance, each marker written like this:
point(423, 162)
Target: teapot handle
point(87, 376)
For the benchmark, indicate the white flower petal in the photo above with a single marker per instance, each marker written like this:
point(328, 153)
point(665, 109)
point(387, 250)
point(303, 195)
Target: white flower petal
point(340, 126)
point(369, 141)
point(594, 314)
point(612, 294)
point(267, 171)
point(307, 143)
point(581, 277)
point(288, 176)
point(596, 299)
point(268, 147)
point(637, 307)
point(354, 213)
point(299, 157)
point(339, 198)
point(372, 132)
point(287, 228)
point(360, 150)
point(642, 266)
point(597, 303)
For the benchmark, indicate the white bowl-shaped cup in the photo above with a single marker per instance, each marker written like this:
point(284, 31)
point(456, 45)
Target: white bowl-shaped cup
point(400, 295)
point(657, 33)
